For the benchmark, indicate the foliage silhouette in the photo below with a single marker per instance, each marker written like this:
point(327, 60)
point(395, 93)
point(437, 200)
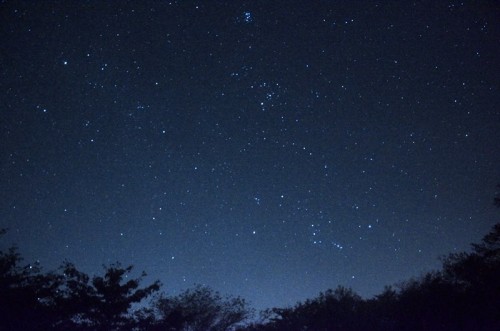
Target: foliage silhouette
point(331, 310)
point(24, 292)
point(31, 300)
point(201, 309)
point(463, 295)
point(103, 303)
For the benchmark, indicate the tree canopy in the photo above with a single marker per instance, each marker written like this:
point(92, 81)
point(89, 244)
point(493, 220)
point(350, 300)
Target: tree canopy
point(463, 295)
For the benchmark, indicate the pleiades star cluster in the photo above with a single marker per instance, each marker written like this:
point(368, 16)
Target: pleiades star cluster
point(267, 149)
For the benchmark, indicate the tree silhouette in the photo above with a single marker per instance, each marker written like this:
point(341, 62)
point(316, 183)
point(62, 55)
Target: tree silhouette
point(69, 300)
point(489, 248)
point(477, 275)
point(463, 295)
point(201, 309)
point(380, 312)
point(102, 303)
point(337, 309)
point(25, 292)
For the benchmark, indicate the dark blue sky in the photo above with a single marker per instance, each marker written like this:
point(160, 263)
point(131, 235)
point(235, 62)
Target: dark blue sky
point(268, 149)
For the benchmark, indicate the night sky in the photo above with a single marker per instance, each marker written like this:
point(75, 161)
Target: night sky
point(267, 149)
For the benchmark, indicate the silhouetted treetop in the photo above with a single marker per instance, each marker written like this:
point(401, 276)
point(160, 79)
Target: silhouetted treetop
point(463, 295)
point(201, 309)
